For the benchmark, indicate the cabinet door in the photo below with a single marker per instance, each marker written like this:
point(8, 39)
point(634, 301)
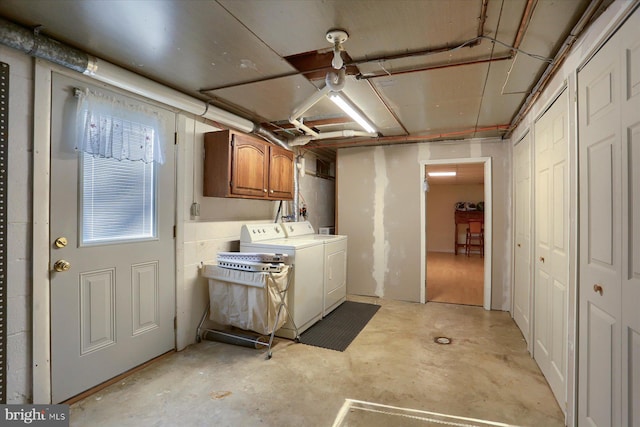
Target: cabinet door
point(249, 167)
point(280, 174)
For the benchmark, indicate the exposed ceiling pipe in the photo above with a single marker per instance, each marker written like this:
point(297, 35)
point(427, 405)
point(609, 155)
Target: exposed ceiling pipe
point(434, 67)
point(524, 22)
point(347, 133)
point(483, 17)
point(568, 43)
point(34, 44)
point(275, 127)
point(39, 46)
point(402, 139)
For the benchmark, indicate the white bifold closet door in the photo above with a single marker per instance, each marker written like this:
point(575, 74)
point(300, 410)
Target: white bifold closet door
point(609, 264)
point(522, 288)
point(551, 261)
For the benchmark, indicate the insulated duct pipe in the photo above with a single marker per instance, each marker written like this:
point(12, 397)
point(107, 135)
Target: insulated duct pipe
point(32, 43)
point(39, 46)
point(296, 190)
point(348, 133)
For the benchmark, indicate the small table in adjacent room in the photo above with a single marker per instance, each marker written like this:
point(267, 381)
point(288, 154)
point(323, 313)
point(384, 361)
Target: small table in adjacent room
point(463, 217)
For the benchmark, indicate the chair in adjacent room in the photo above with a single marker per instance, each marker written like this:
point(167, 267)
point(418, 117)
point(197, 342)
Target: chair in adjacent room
point(475, 238)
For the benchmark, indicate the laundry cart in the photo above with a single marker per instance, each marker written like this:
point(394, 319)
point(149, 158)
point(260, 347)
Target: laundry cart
point(247, 297)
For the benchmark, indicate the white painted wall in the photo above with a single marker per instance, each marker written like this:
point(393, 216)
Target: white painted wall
point(19, 225)
point(441, 200)
point(378, 197)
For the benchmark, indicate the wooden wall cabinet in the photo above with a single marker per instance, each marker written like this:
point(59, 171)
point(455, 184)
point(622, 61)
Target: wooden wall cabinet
point(242, 166)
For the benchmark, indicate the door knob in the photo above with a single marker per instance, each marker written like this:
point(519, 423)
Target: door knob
point(60, 242)
point(519, 245)
point(542, 259)
point(598, 289)
point(61, 265)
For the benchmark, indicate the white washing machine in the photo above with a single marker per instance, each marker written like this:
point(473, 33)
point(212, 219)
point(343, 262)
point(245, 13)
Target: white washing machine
point(335, 262)
point(304, 299)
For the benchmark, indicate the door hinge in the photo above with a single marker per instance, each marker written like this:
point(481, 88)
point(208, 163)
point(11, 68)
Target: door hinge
point(175, 323)
point(175, 138)
point(174, 231)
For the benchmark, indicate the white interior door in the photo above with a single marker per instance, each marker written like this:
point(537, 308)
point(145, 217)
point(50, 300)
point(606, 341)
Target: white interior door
point(551, 262)
point(609, 287)
point(522, 268)
point(113, 309)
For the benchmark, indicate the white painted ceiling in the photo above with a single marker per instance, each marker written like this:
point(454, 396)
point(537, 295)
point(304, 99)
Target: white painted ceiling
point(233, 53)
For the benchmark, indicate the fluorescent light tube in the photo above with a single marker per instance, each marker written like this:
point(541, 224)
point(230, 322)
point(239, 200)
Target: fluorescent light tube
point(352, 112)
point(442, 174)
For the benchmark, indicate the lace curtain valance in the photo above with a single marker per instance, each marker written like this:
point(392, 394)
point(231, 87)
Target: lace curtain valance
point(109, 127)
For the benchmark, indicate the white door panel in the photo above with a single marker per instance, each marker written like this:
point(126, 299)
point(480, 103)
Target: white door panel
point(551, 264)
point(522, 267)
point(114, 308)
point(599, 387)
point(630, 117)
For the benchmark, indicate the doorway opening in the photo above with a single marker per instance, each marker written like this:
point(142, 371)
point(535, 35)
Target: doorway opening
point(457, 269)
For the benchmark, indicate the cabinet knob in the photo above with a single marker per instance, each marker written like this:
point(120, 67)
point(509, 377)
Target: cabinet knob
point(271, 191)
point(264, 189)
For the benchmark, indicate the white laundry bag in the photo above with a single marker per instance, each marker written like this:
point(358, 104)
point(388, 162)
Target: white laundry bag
point(246, 300)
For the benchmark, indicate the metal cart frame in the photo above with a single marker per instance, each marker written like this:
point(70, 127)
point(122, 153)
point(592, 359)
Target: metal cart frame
point(281, 304)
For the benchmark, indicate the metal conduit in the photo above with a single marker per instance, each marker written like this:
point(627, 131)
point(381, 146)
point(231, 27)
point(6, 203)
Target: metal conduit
point(32, 43)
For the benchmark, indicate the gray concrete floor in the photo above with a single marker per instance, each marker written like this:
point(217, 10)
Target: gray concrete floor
point(485, 373)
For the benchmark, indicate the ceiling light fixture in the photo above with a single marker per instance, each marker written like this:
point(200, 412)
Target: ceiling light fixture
point(336, 38)
point(341, 102)
point(442, 174)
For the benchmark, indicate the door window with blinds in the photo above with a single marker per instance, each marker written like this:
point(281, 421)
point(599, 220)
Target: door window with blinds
point(119, 149)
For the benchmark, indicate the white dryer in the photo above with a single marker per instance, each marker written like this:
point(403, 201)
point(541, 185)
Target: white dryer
point(304, 299)
point(334, 260)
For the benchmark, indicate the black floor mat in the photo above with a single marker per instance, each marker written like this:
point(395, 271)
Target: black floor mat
point(340, 327)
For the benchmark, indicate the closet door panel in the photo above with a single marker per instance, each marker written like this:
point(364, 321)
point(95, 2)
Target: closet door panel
point(630, 168)
point(599, 364)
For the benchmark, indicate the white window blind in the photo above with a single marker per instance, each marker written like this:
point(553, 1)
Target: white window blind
point(119, 143)
point(118, 201)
